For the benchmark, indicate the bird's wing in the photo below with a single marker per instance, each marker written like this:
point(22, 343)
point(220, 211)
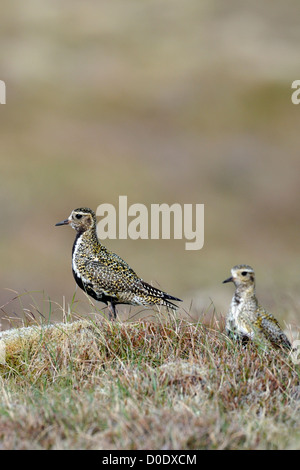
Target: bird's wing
point(113, 279)
point(273, 332)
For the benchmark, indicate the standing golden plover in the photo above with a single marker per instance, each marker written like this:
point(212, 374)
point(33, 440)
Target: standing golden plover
point(246, 318)
point(104, 275)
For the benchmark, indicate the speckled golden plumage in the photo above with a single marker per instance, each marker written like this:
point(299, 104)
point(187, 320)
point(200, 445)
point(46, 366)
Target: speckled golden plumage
point(104, 275)
point(246, 318)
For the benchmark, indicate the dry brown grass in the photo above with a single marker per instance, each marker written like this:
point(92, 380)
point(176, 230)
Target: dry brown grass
point(144, 385)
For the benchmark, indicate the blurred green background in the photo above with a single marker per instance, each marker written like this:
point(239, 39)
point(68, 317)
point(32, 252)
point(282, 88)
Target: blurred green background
point(173, 101)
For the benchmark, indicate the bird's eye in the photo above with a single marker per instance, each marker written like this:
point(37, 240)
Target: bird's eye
point(78, 216)
point(244, 273)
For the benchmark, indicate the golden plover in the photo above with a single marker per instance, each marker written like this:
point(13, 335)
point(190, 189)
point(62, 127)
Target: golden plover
point(104, 275)
point(247, 319)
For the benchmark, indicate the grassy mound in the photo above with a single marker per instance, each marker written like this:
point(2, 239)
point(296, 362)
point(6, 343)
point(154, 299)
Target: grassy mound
point(143, 385)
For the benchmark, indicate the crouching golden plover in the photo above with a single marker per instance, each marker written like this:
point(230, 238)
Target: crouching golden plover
point(246, 318)
point(104, 275)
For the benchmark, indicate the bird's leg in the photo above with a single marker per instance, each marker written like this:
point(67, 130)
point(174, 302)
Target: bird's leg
point(112, 314)
point(244, 340)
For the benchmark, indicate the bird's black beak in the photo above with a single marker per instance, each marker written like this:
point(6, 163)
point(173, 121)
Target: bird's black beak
point(230, 279)
point(63, 222)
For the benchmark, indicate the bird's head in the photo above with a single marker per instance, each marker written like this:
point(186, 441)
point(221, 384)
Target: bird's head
point(242, 275)
point(81, 219)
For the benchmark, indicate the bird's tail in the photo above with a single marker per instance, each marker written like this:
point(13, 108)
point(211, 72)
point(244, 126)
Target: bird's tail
point(162, 297)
